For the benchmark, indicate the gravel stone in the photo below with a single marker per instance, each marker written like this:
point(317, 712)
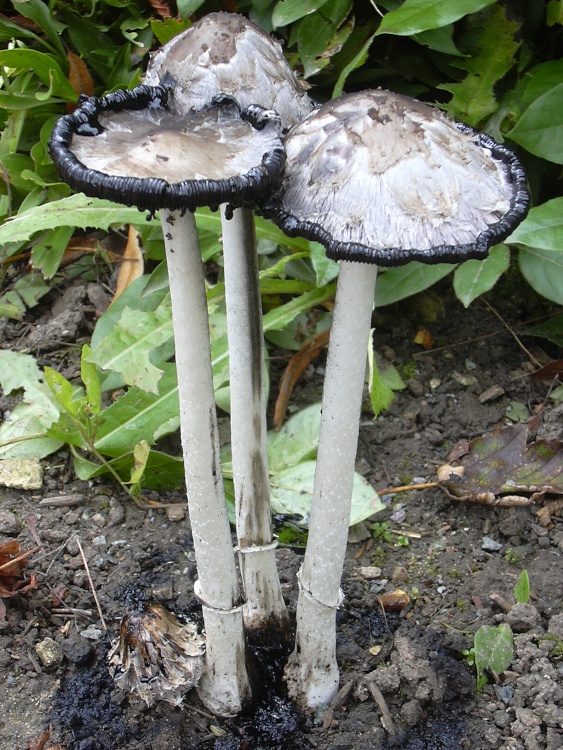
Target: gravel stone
point(523, 617)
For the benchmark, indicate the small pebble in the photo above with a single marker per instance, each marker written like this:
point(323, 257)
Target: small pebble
point(77, 650)
point(49, 653)
point(98, 520)
point(116, 513)
point(9, 523)
point(490, 545)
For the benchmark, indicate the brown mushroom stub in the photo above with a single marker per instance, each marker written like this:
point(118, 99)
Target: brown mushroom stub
point(379, 177)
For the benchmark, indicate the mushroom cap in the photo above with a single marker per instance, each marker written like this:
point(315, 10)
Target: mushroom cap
point(226, 53)
point(382, 178)
point(130, 148)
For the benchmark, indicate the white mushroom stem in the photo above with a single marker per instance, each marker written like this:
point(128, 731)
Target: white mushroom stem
point(264, 606)
point(312, 672)
point(224, 686)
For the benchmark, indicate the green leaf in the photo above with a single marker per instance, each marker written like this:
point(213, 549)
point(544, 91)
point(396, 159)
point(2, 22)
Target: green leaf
point(163, 473)
point(542, 228)
point(139, 415)
point(33, 415)
point(281, 316)
point(383, 379)
point(522, 588)
point(356, 62)
point(288, 11)
point(39, 12)
point(493, 650)
point(551, 329)
point(326, 269)
point(45, 67)
point(127, 347)
point(543, 270)
point(292, 489)
point(474, 277)
point(440, 40)
point(89, 376)
point(540, 128)
point(415, 16)
point(398, 283)
point(474, 98)
point(47, 253)
point(296, 441)
point(76, 211)
point(62, 390)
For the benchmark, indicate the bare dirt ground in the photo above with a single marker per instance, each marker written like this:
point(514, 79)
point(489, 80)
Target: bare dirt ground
point(461, 557)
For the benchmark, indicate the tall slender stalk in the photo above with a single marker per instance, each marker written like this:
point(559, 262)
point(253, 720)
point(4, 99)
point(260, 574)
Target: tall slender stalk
point(264, 606)
point(312, 672)
point(224, 687)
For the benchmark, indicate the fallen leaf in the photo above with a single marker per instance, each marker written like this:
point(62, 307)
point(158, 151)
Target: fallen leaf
point(162, 8)
point(132, 266)
point(394, 601)
point(551, 371)
point(310, 349)
point(424, 338)
point(79, 78)
point(12, 563)
point(501, 468)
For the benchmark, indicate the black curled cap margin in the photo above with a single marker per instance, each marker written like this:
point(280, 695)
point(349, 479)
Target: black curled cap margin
point(398, 256)
point(153, 193)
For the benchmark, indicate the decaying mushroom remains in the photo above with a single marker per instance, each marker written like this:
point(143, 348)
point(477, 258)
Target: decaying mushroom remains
point(156, 656)
point(378, 176)
point(226, 53)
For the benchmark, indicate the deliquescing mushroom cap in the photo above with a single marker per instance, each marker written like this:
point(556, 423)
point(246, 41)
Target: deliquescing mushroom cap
point(379, 177)
point(130, 147)
point(226, 53)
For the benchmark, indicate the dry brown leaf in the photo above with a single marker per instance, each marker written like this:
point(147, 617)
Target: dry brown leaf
point(310, 349)
point(550, 371)
point(12, 563)
point(162, 8)
point(424, 338)
point(78, 77)
point(132, 266)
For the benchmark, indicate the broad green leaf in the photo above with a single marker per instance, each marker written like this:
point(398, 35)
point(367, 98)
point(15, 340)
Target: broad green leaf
point(493, 650)
point(321, 35)
point(381, 395)
point(76, 211)
point(539, 80)
point(296, 441)
point(415, 16)
point(288, 11)
point(33, 415)
point(167, 28)
point(475, 98)
point(522, 588)
point(540, 128)
point(543, 227)
point(62, 390)
point(474, 277)
point(543, 270)
point(281, 316)
point(398, 283)
point(47, 253)
point(440, 40)
point(127, 347)
point(292, 490)
point(304, 325)
point(39, 12)
point(139, 415)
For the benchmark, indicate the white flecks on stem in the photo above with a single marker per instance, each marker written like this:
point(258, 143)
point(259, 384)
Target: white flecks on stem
point(224, 686)
point(264, 603)
point(312, 672)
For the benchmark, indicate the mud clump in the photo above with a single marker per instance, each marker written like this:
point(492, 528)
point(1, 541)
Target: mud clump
point(84, 712)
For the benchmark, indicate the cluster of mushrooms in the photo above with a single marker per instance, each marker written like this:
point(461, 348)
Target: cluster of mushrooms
point(379, 179)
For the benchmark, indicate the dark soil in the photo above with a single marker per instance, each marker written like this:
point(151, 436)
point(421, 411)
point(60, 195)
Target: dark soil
point(414, 657)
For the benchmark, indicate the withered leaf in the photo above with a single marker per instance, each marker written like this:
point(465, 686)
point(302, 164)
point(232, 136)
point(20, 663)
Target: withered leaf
point(502, 464)
point(12, 581)
point(132, 266)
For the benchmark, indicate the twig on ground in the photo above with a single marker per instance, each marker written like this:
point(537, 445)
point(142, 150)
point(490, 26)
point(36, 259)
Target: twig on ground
point(386, 719)
point(91, 584)
point(336, 703)
point(528, 353)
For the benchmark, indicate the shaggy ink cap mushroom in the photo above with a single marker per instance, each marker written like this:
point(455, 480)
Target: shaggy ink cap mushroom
point(132, 148)
point(379, 177)
point(227, 53)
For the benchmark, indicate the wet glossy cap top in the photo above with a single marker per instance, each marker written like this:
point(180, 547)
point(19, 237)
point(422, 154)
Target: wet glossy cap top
point(226, 53)
point(382, 178)
point(130, 148)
